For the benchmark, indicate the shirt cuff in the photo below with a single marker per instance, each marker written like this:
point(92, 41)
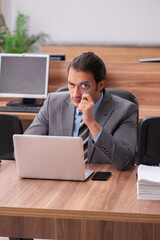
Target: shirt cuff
point(94, 140)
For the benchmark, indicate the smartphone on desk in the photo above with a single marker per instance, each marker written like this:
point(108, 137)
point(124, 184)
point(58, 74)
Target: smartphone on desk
point(101, 176)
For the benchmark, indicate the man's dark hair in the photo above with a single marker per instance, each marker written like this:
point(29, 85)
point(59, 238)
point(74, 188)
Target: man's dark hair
point(89, 62)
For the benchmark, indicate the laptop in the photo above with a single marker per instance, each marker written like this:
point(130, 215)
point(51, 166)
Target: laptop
point(50, 157)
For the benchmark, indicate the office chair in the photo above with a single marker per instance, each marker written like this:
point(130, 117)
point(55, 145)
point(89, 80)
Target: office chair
point(149, 141)
point(118, 92)
point(9, 125)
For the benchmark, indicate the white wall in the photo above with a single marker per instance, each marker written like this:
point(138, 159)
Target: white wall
point(108, 22)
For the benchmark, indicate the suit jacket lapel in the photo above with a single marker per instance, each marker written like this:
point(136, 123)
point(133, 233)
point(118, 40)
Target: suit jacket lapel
point(67, 117)
point(105, 109)
point(103, 113)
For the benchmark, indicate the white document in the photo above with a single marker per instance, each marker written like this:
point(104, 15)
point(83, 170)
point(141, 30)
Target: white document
point(148, 184)
point(149, 173)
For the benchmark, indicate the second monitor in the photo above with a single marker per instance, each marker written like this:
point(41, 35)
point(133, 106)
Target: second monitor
point(24, 76)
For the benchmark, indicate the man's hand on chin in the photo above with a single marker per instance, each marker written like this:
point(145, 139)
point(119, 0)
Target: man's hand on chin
point(86, 106)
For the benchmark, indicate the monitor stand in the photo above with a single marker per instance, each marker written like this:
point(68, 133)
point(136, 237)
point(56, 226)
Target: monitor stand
point(26, 102)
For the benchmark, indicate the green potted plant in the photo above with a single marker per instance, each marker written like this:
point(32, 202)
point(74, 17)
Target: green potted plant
point(19, 41)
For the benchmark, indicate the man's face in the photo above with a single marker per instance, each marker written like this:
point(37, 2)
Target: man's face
point(75, 78)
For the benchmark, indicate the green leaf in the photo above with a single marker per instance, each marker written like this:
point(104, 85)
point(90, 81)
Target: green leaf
point(19, 41)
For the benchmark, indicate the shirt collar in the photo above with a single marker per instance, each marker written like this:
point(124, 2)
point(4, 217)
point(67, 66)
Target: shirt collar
point(96, 106)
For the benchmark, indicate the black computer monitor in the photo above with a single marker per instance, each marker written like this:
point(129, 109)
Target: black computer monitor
point(24, 76)
point(57, 56)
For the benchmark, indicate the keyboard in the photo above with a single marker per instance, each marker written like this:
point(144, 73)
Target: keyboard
point(31, 109)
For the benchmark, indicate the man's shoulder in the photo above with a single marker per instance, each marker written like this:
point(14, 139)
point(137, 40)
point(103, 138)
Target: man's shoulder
point(118, 100)
point(58, 96)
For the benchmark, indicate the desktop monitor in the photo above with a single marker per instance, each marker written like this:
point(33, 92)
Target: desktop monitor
point(57, 56)
point(24, 76)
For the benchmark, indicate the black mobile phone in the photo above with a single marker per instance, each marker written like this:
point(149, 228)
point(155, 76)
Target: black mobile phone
point(101, 176)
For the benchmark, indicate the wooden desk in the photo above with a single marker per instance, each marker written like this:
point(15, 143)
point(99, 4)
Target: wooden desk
point(91, 210)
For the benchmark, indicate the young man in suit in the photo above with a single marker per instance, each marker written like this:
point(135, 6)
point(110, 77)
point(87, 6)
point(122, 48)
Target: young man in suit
point(111, 120)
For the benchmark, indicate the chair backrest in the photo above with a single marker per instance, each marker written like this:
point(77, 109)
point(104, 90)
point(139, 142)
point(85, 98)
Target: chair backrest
point(62, 89)
point(149, 141)
point(118, 92)
point(9, 125)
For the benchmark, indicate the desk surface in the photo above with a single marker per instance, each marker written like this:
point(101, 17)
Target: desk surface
point(61, 203)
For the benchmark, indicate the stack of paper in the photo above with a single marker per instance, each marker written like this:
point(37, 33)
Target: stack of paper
point(148, 183)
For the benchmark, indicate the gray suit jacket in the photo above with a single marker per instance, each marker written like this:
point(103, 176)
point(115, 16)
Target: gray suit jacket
point(118, 118)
